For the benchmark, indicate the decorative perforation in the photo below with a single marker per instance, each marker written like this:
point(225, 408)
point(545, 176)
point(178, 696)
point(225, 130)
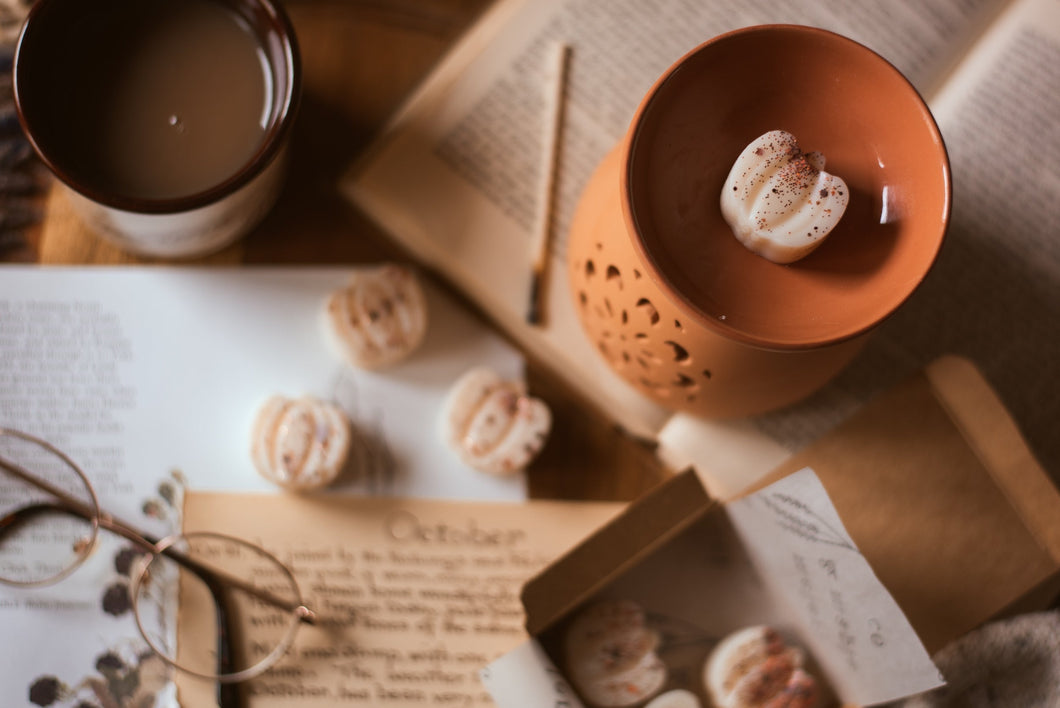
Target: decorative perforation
point(629, 330)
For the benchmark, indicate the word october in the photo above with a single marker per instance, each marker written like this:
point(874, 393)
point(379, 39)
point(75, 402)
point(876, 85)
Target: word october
point(404, 526)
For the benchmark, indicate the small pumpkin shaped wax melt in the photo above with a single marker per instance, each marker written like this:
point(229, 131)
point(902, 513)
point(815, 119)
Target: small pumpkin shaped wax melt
point(779, 201)
point(380, 317)
point(755, 668)
point(492, 424)
point(300, 443)
point(611, 655)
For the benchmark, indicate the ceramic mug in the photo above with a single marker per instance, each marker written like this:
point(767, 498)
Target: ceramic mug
point(680, 308)
point(167, 121)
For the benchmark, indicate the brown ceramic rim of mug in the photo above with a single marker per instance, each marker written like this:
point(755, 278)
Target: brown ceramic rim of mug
point(268, 19)
point(691, 310)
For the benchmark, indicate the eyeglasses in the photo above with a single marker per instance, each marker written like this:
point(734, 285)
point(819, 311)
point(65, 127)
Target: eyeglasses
point(241, 605)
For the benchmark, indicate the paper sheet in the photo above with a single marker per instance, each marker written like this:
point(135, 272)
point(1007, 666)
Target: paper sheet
point(526, 678)
point(140, 372)
point(852, 625)
point(415, 596)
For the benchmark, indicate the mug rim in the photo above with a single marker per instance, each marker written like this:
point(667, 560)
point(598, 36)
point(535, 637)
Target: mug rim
point(277, 24)
point(680, 298)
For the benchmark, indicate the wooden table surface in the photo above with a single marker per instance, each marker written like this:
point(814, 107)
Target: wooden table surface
point(360, 59)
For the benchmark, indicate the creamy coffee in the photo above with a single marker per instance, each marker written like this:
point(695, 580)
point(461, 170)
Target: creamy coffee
point(155, 99)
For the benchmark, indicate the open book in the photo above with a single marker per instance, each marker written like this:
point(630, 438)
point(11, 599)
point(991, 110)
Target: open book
point(454, 180)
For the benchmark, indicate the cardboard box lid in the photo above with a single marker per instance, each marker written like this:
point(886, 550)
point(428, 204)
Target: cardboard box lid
point(934, 483)
point(942, 495)
point(626, 540)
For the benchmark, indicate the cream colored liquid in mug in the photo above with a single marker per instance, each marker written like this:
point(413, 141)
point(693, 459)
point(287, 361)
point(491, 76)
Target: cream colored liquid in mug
point(164, 99)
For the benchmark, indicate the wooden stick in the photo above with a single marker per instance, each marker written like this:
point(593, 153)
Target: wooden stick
point(556, 78)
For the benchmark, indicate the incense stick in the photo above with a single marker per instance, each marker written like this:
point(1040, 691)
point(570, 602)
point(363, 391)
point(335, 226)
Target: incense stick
point(556, 78)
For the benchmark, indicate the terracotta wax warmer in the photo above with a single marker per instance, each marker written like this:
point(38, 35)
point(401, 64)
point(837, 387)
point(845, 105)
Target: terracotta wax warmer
point(675, 303)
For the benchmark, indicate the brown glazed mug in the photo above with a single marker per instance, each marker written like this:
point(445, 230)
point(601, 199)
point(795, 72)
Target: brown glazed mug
point(167, 121)
point(680, 308)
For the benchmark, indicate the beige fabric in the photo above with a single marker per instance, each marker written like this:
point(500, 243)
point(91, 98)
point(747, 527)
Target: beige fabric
point(1012, 663)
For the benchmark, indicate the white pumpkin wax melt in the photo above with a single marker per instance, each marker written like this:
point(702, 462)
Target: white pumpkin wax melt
point(754, 668)
point(492, 424)
point(611, 655)
point(380, 317)
point(779, 201)
point(300, 443)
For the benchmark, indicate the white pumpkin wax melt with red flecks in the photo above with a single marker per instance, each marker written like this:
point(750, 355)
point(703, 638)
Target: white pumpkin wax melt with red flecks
point(492, 424)
point(755, 668)
point(379, 317)
point(779, 201)
point(300, 444)
point(611, 657)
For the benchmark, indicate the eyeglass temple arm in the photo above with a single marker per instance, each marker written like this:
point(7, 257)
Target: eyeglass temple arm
point(150, 545)
point(229, 695)
point(72, 505)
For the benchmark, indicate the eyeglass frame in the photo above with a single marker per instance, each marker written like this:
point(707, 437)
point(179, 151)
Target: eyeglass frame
point(98, 518)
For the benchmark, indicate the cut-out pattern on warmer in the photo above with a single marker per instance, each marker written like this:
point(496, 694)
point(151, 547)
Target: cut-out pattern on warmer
point(644, 304)
point(680, 353)
point(633, 332)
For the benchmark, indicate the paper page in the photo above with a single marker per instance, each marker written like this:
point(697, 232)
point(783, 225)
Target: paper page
point(994, 294)
point(455, 179)
point(853, 626)
point(137, 373)
point(415, 596)
point(526, 678)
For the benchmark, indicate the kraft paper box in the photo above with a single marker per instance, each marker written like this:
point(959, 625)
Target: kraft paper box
point(936, 497)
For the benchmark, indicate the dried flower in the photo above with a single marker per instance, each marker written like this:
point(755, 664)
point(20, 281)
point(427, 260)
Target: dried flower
point(45, 691)
point(168, 494)
point(125, 558)
point(109, 662)
point(153, 510)
point(116, 599)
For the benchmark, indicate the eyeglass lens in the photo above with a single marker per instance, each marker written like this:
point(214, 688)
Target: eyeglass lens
point(255, 633)
point(42, 539)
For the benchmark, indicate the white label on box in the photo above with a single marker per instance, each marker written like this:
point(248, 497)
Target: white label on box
point(526, 678)
point(847, 618)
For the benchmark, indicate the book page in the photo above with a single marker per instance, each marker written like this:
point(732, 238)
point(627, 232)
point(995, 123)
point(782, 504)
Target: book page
point(413, 597)
point(994, 294)
point(150, 379)
point(455, 177)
